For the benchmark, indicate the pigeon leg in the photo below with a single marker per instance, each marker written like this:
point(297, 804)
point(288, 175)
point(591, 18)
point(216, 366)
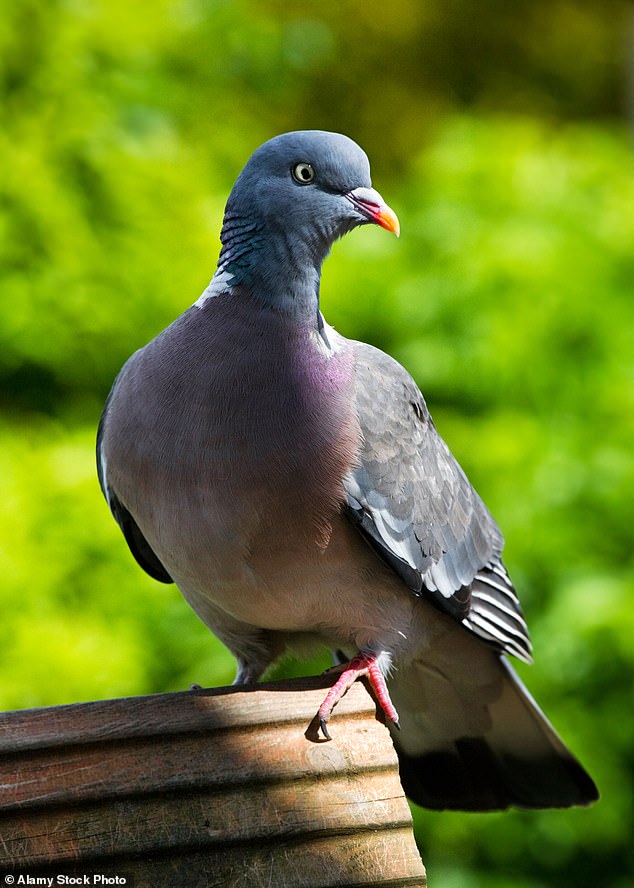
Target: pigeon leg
point(359, 666)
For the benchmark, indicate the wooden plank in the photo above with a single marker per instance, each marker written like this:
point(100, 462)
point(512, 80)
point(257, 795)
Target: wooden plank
point(190, 821)
point(287, 702)
point(179, 762)
point(385, 858)
point(217, 787)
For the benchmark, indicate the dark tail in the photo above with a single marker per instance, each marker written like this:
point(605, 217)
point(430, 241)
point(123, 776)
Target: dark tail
point(473, 739)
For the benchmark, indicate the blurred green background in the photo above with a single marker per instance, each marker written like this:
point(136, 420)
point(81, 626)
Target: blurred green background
point(499, 133)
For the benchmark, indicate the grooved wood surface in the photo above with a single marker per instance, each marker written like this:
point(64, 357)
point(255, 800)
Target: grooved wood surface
point(218, 787)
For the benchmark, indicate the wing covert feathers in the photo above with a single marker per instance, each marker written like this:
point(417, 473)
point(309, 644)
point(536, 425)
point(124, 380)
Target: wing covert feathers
point(416, 507)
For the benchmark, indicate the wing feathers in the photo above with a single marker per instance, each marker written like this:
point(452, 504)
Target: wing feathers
point(496, 612)
point(417, 508)
point(139, 546)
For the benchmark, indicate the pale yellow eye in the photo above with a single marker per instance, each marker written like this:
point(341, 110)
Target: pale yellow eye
point(303, 173)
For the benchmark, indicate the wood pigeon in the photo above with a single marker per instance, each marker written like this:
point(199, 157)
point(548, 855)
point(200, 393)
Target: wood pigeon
point(292, 483)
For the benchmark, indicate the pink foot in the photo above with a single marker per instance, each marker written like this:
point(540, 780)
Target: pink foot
point(362, 664)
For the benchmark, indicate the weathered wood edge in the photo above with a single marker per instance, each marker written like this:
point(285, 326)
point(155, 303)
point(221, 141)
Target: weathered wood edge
point(144, 716)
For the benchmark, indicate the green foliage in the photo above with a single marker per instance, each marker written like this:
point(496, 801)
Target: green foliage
point(508, 297)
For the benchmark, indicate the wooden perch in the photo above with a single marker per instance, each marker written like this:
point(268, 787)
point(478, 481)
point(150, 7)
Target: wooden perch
point(206, 788)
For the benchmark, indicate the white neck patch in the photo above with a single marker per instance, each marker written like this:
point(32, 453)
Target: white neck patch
point(329, 340)
point(220, 282)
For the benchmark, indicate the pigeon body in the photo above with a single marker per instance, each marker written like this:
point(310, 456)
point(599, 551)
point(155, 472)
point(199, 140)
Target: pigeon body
point(291, 482)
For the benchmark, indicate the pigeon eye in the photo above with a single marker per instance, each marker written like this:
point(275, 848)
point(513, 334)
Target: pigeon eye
point(303, 173)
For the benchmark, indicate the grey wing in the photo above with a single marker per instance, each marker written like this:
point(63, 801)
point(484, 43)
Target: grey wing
point(415, 505)
point(138, 545)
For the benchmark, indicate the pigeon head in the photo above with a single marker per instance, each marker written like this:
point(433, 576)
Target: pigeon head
point(296, 195)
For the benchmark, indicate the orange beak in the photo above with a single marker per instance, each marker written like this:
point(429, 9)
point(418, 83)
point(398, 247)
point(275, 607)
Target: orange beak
point(371, 205)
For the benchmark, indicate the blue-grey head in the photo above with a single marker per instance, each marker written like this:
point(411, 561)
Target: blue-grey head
point(296, 195)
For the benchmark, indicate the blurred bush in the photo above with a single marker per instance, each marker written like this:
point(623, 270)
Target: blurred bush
point(508, 297)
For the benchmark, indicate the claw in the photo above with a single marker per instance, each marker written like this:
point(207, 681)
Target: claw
point(324, 729)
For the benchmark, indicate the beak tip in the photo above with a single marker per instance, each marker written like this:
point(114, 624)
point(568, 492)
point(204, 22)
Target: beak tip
point(388, 219)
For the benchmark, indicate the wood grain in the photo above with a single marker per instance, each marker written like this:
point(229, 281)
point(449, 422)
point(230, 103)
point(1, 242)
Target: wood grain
point(206, 787)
